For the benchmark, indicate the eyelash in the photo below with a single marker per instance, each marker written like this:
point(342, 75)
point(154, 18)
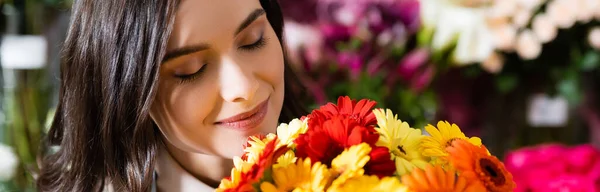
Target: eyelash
point(191, 77)
point(261, 42)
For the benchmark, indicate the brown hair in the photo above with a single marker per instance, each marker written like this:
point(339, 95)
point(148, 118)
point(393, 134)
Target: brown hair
point(108, 81)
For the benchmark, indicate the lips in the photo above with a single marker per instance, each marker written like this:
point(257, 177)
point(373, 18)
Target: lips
point(247, 120)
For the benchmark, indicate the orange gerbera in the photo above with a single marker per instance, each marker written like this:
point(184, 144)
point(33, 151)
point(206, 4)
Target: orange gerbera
point(439, 180)
point(475, 163)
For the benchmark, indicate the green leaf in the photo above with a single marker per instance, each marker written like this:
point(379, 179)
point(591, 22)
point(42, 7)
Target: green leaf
point(425, 36)
point(506, 83)
point(569, 88)
point(355, 44)
point(590, 61)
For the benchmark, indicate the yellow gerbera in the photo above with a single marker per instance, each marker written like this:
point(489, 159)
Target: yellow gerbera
point(286, 159)
point(434, 146)
point(232, 182)
point(402, 141)
point(241, 165)
point(300, 176)
point(256, 145)
point(288, 133)
point(370, 183)
point(351, 162)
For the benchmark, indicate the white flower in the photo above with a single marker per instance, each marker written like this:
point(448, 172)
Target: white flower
point(594, 38)
point(288, 133)
point(451, 20)
point(504, 35)
point(529, 4)
point(503, 8)
point(494, 63)
point(298, 36)
point(521, 19)
point(528, 46)
point(8, 163)
point(562, 12)
point(586, 9)
point(544, 28)
point(597, 12)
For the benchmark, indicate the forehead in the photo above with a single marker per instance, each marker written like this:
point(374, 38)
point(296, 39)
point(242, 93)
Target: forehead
point(202, 20)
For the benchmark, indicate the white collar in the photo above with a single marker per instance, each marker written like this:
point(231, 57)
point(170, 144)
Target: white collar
point(172, 177)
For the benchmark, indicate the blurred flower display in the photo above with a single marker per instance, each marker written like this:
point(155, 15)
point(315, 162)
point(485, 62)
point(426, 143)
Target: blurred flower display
point(462, 23)
point(475, 62)
point(364, 49)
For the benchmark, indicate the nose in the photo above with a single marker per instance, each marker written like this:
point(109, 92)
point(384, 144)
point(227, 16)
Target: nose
point(238, 83)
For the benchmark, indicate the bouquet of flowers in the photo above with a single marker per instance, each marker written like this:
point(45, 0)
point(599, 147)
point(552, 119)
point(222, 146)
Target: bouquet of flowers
point(349, 146)
point(555, 167)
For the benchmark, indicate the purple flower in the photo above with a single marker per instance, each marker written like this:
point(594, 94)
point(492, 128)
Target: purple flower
point(423, 79)
point(405, 11)
point(411, 63)
point(352, 61)
point(301, 11)
point(333, 33)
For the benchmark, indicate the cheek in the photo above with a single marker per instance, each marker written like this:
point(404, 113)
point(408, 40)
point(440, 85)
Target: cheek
point(181, 114)
point(272, 64)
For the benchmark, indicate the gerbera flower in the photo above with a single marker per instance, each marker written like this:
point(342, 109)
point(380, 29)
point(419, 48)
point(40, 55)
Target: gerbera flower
point(286, 159)
point(346, 107)
point(325, 141)
point(300, 176)
point(255, 145)
point(237, 182)
point(351, 162)
point(265, 160)
point(381, 163)
point(402, 141)
point(475, 163)
point(437, 179)
point(241, 165)
point(288, 133)
point(370, 183)
point(246, 173)
point(441, 137)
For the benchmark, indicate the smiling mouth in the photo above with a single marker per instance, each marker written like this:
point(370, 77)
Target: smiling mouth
point(247, 120)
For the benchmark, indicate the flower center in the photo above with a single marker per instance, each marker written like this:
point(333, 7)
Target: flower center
point(492, 171)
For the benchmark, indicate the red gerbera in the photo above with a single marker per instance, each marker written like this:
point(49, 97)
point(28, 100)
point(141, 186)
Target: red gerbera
point(381, 163)
point(361, 111)
point(323, 142)
point(268, 156)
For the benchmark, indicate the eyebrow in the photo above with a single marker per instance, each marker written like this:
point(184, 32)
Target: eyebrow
point(178, 52)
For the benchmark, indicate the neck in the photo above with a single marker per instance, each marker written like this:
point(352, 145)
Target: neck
point(209, 169)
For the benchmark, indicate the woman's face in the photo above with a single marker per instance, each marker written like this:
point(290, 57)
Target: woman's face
point(221, 79)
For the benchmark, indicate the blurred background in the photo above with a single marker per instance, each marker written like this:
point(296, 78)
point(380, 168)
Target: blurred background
point(522, 74)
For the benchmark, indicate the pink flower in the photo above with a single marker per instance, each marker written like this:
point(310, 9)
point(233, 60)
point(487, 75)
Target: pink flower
point(581, 159)
point(568, 183)
point(555, 167)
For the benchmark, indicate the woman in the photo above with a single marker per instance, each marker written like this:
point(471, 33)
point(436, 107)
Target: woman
point(164, 93)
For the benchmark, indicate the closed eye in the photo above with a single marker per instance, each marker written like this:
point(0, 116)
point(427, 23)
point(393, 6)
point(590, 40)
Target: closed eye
point(261, 42)
point(190, 77)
